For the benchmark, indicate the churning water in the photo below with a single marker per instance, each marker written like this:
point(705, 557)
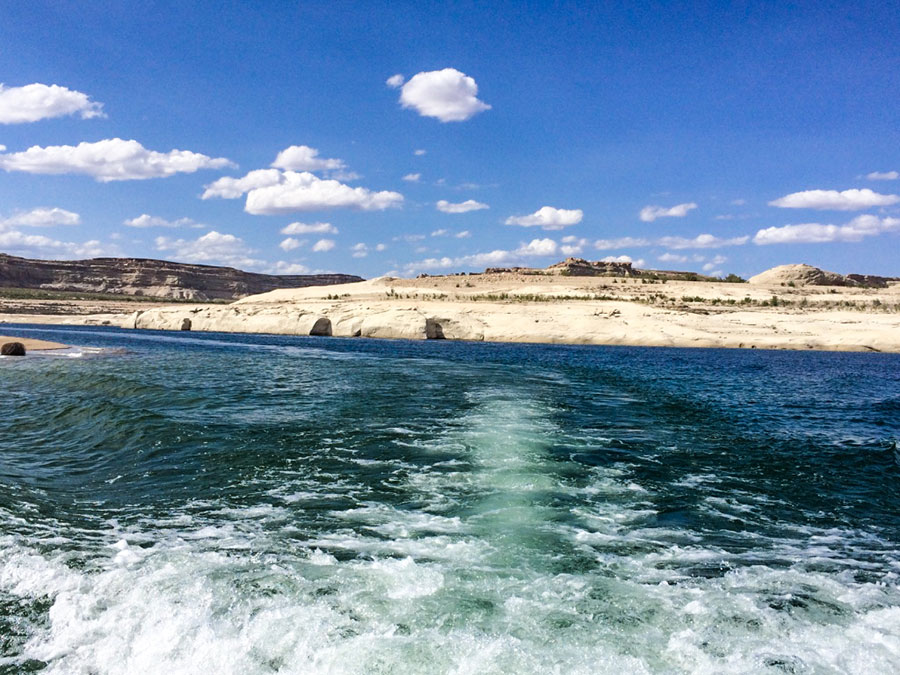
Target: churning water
point(183, 503)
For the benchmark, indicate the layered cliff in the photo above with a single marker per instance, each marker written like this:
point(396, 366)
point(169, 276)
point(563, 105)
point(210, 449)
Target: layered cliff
point(151, 278)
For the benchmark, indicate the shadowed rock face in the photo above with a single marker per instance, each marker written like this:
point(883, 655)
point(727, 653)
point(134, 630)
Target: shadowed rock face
point(152, 278)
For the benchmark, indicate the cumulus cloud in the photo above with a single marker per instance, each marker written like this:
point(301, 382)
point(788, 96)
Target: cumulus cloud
point(412, 177)
point(832, 200)
point(323, 245)
point(41, 217)
point(548, 218)
point(883, 175)
point(309, 228)
point(360, 250)
point(39, 246)
point(495, 258)
point(447, 95)
point(271, 192)
point(572, 245)
point(419, 152)
point(380, 247)
point(650, 213)
point(537, 247)
point(623, 259)
point(815, 233)
point(211, 248)
point(395, 81)
point(109, 160)
point(36, 101)
point(305, 158)
point(700, 241)
point(146, 220)
point(290, 244)
point(462, 207)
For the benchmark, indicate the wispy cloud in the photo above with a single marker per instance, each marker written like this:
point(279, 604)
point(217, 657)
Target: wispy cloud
point(650, 213)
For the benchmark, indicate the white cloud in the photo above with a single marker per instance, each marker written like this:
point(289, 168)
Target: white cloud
point(39, 246)
point(440, 233)
point(700, 241)
point(380, 247)
point(395, 81)
point(711, 266)
point(2, 148)
point(309, 228)
point(832, 200)
point(623, 259)
point(146, 220)
point(815, 233)
point(883, 175)
point(305, 158)
point(271, 193)
point(41, 217)
point(290, 244)
point(537, 247)
point(282, 267)
point(548, 218)
point(35, 102)
point(410, 238)
point(323, 245)
point(447, 95)
point(572, 245)
point(738, 202)
point(650, 213)
point(673, 257)
point(462, 207)
point(464, 234)
point(109, 160)
point(622, 242)
point(419, 152)
point(232, 188)
point(360, 250)
point(412, 177)
point(211, 248)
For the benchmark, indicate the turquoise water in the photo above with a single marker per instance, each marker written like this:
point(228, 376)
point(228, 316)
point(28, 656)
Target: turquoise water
point(188, 503)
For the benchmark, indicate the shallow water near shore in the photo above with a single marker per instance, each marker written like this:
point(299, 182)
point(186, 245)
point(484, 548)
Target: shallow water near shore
point(260, 504)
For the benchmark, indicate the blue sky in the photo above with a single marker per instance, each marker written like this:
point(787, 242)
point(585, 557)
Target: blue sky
point(714, 137)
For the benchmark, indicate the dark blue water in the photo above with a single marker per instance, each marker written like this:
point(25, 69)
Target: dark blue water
point(218, 503)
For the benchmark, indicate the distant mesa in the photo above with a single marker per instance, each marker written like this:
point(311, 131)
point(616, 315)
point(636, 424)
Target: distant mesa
point(579, 267)
point(807, 275)
point(151, 278)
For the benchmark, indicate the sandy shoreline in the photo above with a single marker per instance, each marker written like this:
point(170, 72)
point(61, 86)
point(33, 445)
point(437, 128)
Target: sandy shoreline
point(547, 309)
point(33, 345)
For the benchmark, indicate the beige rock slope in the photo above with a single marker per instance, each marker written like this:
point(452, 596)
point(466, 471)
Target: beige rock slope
point(555, 309)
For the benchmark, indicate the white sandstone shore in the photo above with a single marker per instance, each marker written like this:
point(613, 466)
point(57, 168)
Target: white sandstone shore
point(549, 309)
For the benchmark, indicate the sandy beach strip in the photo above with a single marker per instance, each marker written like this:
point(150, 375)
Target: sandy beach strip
point(33, 345)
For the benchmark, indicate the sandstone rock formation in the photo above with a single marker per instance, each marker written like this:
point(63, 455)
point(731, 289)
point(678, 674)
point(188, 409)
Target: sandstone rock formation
point(153, 278)
point(807, 275)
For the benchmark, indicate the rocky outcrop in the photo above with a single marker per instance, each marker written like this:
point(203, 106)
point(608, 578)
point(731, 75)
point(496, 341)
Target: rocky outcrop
point(12, 349)
point(151, 278)
point(807, 275)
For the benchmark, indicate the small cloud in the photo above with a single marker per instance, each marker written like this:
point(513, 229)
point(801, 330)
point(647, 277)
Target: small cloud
point(857, 229)
point(672, 257)
point(883, 175)
point(290, 244)
point(309, 228)
point(395, 81)
point(548, 218)
point(465, 234)
point(738, 202)
point(146, 220)
point(440, 233)
point(109, 160)
point(462, 207)
point(650, 213)
point(701, 241)
point(447, 95)
point(360, 250)
point(412, 177)
point(537, 247)
point(305, 158)
point(832, 200)
point(419, 152)
point(323, 245)
point(36, 101)
point(380, 247)
point(41, 217)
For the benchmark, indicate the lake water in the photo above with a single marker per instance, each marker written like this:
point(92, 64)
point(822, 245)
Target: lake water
point(207, 503)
